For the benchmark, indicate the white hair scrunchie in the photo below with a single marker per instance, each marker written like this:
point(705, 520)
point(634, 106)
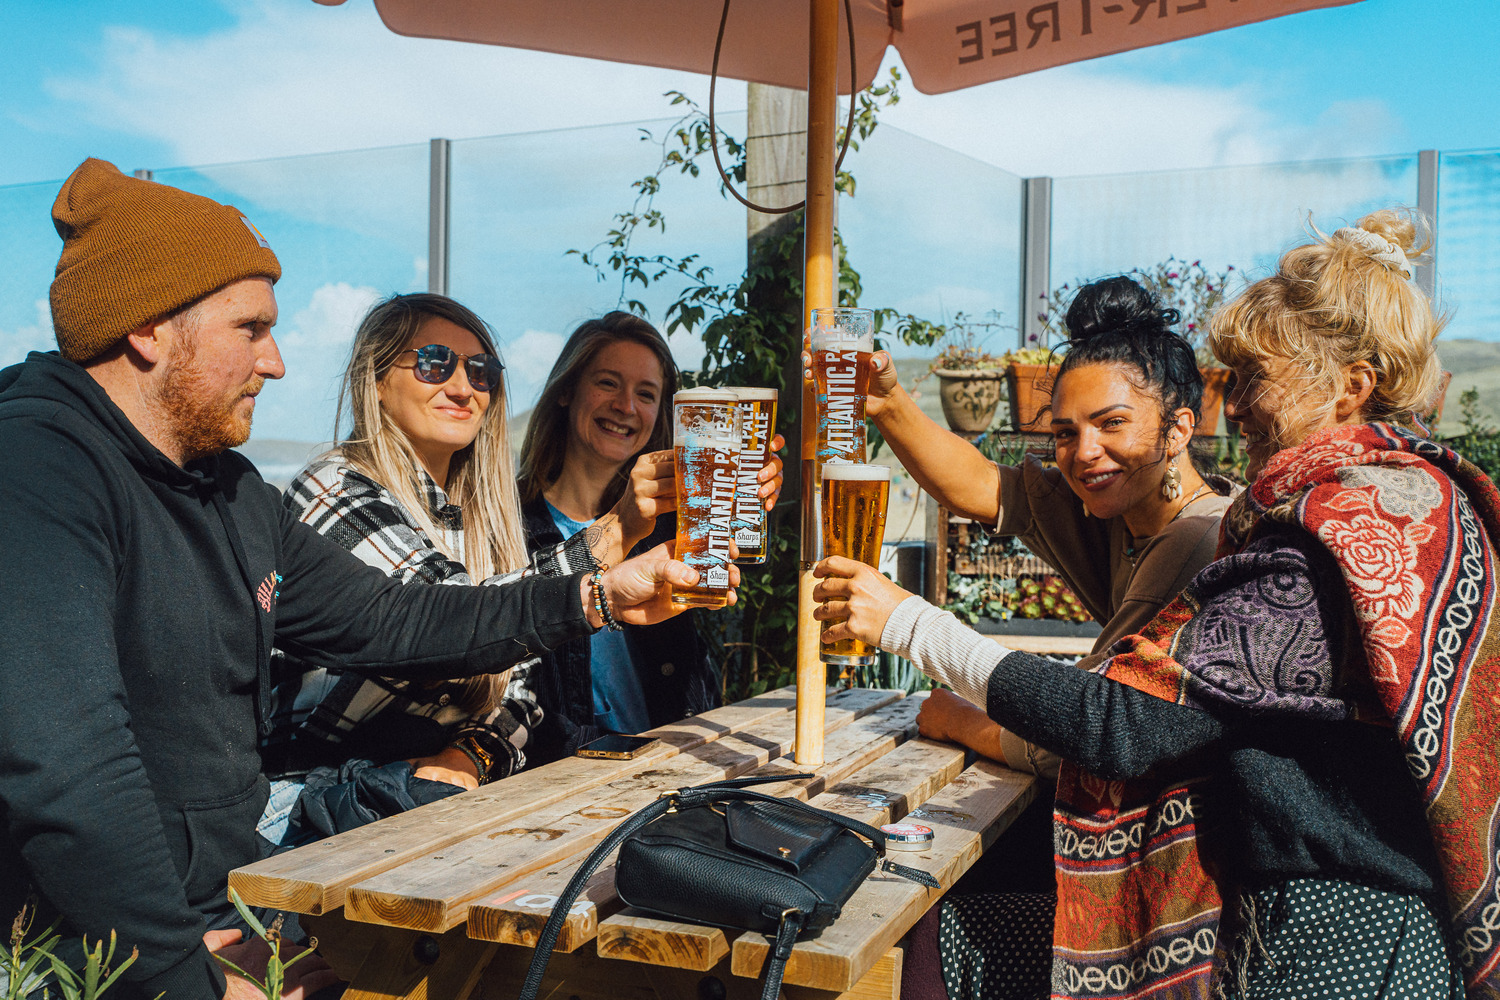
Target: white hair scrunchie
point(1378, 247)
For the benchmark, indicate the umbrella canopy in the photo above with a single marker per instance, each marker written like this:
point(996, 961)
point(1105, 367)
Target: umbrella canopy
point(945, 44)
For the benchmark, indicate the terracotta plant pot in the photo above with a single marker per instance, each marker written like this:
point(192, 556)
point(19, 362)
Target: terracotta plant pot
point(1030, 388)
point(1215, 380)
point(969, 398)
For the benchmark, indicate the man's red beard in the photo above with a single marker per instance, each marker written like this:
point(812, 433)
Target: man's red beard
point(201, 424)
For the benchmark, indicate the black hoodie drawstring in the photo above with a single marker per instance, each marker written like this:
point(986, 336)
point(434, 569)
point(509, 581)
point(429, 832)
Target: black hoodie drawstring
point(262, 664)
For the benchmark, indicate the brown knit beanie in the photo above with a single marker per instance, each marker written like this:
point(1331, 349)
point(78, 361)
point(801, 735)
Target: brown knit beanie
point(135, 251)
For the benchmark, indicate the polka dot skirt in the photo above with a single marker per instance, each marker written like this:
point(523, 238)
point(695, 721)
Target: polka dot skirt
point(1307, 939)
point(1321, 939)
point(997, 946)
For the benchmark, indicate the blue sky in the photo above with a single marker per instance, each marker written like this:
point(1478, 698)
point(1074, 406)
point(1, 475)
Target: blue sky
point(157, 83)
point(167, 85)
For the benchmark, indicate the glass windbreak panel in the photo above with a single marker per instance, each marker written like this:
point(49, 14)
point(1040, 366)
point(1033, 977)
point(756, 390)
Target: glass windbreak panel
point(520, 203)
point(1243, 217)
point(1469, 243)
point(1467, 251)
point(349, 229)
point(29, 246)
point(933, 232)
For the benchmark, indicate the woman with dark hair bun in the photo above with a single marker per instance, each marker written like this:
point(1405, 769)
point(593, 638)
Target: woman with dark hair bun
point(1122, 516)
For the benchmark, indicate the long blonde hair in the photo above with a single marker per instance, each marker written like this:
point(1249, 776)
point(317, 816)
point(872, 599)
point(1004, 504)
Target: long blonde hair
point(546, 442)
point(481, 476)
point(1331, 304)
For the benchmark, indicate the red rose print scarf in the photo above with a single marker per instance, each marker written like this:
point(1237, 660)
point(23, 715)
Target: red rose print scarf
point(1410, 525)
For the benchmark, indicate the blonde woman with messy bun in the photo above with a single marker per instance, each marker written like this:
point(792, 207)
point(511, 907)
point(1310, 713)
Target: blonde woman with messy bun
point(1286, 786)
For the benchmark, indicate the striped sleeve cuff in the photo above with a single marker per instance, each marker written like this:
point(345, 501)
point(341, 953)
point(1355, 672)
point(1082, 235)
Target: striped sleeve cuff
point(943, 648)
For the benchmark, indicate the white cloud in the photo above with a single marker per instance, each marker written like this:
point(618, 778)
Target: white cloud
point(528, 360)
point(330, 317)
point(17, 342)
point(1080, 120)
point(314, 343)
point(294, 78)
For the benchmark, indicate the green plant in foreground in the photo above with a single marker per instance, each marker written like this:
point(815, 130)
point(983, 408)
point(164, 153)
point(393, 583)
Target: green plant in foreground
point(275, 966)
point(1480, 441)
point(25, 967)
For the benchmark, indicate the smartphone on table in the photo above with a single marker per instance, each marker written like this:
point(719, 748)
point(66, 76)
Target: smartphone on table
point(617, 746)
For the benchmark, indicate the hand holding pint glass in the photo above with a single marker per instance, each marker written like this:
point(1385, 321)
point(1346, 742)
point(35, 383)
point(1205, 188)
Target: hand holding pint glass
point(854, 504)
point(842, 342)
point(757, 429)
point(706, 436)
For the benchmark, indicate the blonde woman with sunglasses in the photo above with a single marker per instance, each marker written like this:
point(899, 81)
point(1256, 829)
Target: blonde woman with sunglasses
point(424, 488)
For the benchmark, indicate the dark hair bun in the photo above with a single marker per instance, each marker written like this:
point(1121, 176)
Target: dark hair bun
point(1118, 305)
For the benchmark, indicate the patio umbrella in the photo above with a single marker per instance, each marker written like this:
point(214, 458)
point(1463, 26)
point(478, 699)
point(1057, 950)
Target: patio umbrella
point(945, 44)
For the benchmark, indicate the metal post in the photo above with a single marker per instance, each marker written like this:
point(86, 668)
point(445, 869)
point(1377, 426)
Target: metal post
point(437, 216)
point(1036, 257)
point(144, 175)
point(1427, 204)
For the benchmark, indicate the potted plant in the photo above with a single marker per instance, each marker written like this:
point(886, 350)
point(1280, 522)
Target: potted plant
point(970, 379)
point(1028, 383)
point(1196, 293)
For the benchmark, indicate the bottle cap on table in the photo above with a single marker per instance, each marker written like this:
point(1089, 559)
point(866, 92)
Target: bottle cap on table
point(907, 836)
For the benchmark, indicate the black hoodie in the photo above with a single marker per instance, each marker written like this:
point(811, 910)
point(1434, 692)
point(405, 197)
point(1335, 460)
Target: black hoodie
point(138, 604)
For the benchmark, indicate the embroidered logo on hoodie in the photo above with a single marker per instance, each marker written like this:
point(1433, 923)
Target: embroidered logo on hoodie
point(267, 593)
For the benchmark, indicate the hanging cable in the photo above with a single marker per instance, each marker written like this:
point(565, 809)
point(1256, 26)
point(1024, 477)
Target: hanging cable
point(713, 129)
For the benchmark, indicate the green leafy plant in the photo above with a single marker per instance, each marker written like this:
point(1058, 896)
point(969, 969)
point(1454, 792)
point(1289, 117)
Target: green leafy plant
point(276, 966)
point(751, 329)
point(963, 344)
point(1188, 287)
point(1028, 356)
point(1195, 292)
point(33, 967)
point(1480, 440)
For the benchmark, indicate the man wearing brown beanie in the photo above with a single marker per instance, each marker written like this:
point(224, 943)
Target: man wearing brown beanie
point(149, 571)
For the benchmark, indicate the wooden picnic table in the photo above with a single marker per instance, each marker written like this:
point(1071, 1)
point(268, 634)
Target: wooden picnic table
point(446, 902)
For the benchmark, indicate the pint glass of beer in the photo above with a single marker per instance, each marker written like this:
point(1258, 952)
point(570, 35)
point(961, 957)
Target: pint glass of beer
point(854, 499)
point(757, 428)
point(706, 436)
point(842, 342)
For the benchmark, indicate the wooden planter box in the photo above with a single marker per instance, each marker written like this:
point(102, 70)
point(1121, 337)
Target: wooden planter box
point(1030, 389)
point(1215, 381)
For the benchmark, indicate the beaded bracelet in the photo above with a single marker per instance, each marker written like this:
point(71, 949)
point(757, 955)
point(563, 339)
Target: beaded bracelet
point(602, 606)
point(481, 760)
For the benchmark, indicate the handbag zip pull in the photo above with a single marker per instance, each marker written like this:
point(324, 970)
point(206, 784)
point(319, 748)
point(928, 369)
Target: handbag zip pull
point(916, 875)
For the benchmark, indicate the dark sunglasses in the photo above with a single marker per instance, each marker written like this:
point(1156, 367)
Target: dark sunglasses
point(436, 364)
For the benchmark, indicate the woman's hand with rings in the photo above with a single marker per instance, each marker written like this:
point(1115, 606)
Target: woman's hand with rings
point(883, 382)
point(857, 598)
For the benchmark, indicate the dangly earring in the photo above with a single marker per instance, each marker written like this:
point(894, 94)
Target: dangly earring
point(1171, 482)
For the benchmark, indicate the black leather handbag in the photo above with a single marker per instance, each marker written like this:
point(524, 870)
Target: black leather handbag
point(720, 854)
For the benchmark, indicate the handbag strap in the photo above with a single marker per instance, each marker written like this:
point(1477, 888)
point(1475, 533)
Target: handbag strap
point(704, 794)
point(668, 801)
point(781, 951)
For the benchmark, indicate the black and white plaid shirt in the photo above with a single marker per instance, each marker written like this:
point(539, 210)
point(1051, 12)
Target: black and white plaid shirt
point(321, 706)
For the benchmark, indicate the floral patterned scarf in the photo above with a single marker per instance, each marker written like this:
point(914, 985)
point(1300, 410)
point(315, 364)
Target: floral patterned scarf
point(1410, 525)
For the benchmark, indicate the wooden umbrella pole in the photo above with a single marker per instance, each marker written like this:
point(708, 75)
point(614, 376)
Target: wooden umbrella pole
point(818, 292)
